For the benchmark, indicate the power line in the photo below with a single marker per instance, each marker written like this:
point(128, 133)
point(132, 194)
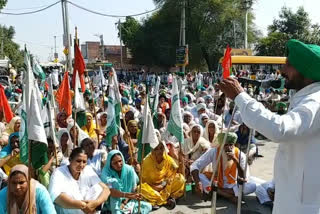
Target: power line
point(30, 12)
point(29, 8)
point(109, 15)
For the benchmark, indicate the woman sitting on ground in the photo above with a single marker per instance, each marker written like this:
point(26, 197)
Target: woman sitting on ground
point(161, 181)
point(96, 157)
point(122, 181)
point(15, 198)
point(211, 132)
point(10, 154)
point(65, 145)
point(194, 147)
point(90, 128)
point(13, 126)
point(76, 187)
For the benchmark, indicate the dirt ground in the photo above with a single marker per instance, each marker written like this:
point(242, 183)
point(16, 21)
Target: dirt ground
point(261, 168)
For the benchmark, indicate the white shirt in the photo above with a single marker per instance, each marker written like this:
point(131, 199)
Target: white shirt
point(61, 181)
point(296, 169)
point(95, 162)
point(210, 157)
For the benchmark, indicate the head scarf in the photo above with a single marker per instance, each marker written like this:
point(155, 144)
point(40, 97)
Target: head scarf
point(203, 115)
point(305, 58)
point(201, 131)
point(231, 138)
point(10, 127)
point(59, 120)
point(206, 132)
point(128, 179)
point(201, 106)
point(8, 149)
point(91, 130)
point(185, 100)
point(81, 135)
point(69, 142)
point(102, 128)
point(12, 205)
point(200, 100)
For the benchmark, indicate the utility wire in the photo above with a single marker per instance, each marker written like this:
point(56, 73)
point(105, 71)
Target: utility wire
point(109, 15)
point(80, 7)
point(30, 12)
point(29, 8)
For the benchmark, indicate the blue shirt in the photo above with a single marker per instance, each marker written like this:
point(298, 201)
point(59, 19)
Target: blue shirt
point(43, 201)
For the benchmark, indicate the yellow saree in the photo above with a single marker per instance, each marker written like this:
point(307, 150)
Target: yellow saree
point(155, 174)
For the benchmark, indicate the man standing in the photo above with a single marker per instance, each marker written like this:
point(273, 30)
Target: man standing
point(298, 131)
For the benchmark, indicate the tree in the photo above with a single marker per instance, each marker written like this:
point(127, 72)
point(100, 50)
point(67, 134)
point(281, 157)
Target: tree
point(10, 48)
point(211, 25)
point(3, 3)
point(289, 25)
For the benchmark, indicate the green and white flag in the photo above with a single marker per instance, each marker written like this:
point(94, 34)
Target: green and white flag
point(32, 131)
point(79, 104)
point(175, 122)
point(112, 127)
point(37, 70)
point(155, 104)
point(117, 96)
point(149, 135)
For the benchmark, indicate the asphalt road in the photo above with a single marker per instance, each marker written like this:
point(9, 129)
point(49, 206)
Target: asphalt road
point(261, 168)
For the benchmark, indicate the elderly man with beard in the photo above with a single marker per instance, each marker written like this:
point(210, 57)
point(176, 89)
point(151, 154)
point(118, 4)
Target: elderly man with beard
point(297, 131)
point(231, 166)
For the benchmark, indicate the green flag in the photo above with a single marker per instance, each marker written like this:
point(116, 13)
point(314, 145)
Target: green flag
point(112, 127)
point(37, 70)
point(117, 97)
point(175, 122)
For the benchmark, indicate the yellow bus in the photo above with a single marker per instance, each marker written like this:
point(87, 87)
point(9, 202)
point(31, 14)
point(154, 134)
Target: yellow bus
point(266, 64)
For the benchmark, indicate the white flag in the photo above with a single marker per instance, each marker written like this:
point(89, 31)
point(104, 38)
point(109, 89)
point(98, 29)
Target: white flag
point(102, 82)
point(36, 130)
point(148, 134)
point(175, 122)
point(79, 104)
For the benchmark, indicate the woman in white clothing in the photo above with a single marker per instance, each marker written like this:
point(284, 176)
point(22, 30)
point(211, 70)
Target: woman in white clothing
point(211, 132)
point(76, 188)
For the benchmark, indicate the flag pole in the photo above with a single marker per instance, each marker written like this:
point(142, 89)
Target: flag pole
point(130, 144)
point(183, 170)
point(245, 174)
point(29, 175)
point(215, 187)
point(75, 113)
point(52, 132)
point(140, 176)
point(94, 110)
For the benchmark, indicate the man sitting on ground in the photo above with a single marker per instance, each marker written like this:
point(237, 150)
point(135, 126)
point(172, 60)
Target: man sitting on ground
point(232, 163)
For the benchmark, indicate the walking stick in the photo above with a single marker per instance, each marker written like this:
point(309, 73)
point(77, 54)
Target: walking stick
point(140, 176)
point(215, 186)
point(244, 176)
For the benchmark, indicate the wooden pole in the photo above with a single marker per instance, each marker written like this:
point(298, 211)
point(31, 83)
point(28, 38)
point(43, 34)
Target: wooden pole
point(183, 170)
point(53, 132)
point(75, 144)
point(245, 173)
point(94, 110)
point(214, 195)
point(140, 176)
point(130, 144)
point(29, 176)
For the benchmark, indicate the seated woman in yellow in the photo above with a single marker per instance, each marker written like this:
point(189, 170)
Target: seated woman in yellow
point(90, 128)
point(161, 181)
point(10, 154)
point(13, 126)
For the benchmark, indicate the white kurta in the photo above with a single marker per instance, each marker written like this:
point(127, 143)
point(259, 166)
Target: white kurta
point(296, 171)
point(210, 157)
point(85, 188)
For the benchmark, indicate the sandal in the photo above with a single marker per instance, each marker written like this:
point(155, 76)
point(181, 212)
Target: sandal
point(171, 204)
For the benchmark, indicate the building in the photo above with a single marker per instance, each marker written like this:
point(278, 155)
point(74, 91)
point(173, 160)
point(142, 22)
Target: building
point(91, 52)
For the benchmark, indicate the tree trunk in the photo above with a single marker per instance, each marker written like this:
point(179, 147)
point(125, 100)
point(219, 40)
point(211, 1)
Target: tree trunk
point(206, 56)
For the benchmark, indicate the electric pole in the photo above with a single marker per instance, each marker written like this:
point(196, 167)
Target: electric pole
point(247, 5)
point(121, 60)
point(183, 30)
point(66, 35)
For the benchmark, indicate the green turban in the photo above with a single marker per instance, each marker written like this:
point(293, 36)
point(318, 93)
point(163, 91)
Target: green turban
point(231, 138)
point(281, 104)
point(87, 93)
point(185, 99)
point(305, 58)
point(126, 93)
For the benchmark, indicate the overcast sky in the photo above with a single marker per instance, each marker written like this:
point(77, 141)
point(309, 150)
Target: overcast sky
point(38, 30)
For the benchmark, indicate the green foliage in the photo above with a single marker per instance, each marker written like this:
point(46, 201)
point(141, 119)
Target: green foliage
point(10, 48)
point(3, 3)
point(289, 25)
point(210, 26)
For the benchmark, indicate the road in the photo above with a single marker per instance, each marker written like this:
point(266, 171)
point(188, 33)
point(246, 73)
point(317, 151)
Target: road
point(261, 168)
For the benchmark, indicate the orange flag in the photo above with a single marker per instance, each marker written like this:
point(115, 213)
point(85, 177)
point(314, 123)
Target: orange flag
point(79, 66)
point(4, 105)
point(226, 63)
point(63, 95)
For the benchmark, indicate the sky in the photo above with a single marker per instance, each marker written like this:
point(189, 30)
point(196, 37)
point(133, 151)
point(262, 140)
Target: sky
point(37, 31)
